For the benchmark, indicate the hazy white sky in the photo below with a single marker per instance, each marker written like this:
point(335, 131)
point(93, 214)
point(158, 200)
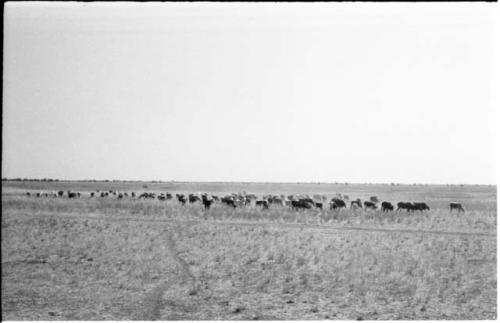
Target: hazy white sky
point(250, 92)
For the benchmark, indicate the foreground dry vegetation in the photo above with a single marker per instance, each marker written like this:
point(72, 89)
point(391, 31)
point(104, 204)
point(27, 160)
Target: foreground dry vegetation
point(102, 260)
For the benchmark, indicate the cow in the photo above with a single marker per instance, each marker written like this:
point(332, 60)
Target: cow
point(229, 200)
point(420, 206)
point(169, 196)
point(92, 194)
point(73, 194)
point(207, 202)
point(318, 205)
point(456, 206)
point(60, 193)
point(132, 194)
point(301, 204)
point(120, 195)
point(370, 205)
point(193, 198)
point(356, 204)
point(263, 203)
point(181, 198)
point(405, 206)
point(28, 194)
point(387, 206)
point(336, 203)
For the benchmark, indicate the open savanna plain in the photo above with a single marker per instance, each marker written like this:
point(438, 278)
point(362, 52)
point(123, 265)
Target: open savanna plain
point(111, 259)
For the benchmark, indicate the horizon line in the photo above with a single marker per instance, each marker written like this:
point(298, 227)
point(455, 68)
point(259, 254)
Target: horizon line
point(18, 179)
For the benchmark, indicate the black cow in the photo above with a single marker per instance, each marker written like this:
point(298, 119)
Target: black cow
point(72, 195)
point(169, 196)
point(318, 205)
point(228, 200)
point(420, 206)
point(28, 194)
point(405, 206)
point(132, 194)
point(92, 194)
point(120, 195)
point(456, 206)
point(181, 198)
point(336, 203)
point(207, 202)
point(370, 205)
point(263, 203)
point(60, 193)
point(193, 198)
point(301, 204)
point(387, 206)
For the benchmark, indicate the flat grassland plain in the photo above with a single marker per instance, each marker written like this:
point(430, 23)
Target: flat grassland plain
point(110, 259)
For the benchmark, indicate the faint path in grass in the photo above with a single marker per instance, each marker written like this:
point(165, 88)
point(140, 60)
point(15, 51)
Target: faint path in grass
point(154, 302)
point(323, 228)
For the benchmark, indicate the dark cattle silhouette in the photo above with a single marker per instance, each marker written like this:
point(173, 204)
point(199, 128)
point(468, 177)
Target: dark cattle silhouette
point(92, 194)
point(370, 205)
point(28, 193)
point(420, 206)
point(193, 198)
point(405, 206)
point(263, 203)
point(132, 194)
point(456, 206)
point(228, 200)
point(318, 205)
point(120, 195)
point(301, 204)
point(72, 195)
point(336, 203)
point(207, 202)
point(60, 193)
point(181, 198)
point(387, 206)
point(169, 196)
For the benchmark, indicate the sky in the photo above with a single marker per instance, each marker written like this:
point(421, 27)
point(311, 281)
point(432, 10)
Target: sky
point(265, 92)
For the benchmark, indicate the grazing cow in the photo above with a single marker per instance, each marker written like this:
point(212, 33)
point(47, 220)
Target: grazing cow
point(92, 194)
point(132, 194)
point(28, 194)
point(263, 203)
point(120, 195)
point(207, 202)
point(405, 206)
point(370, 205)
point(301, 204)
point(456, 206)
point(193, 198)
point(60, 193)
point(318, 205)
point(420, 206)
point(356, 204)
point(387, 206)
point(169, 196)
point(125, 194)
point(72, 195)
point(181, 198)
point(374, 199)
point(103, 194)
point(337, 203)
point(228, 200)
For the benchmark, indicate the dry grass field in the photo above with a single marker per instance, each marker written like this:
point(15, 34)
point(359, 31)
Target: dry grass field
point(110, 259)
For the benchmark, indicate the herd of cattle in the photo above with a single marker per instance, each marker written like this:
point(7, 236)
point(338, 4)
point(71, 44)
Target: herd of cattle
point(295, 201)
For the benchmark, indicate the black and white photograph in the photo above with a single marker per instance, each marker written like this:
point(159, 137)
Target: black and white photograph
point(279, 161)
